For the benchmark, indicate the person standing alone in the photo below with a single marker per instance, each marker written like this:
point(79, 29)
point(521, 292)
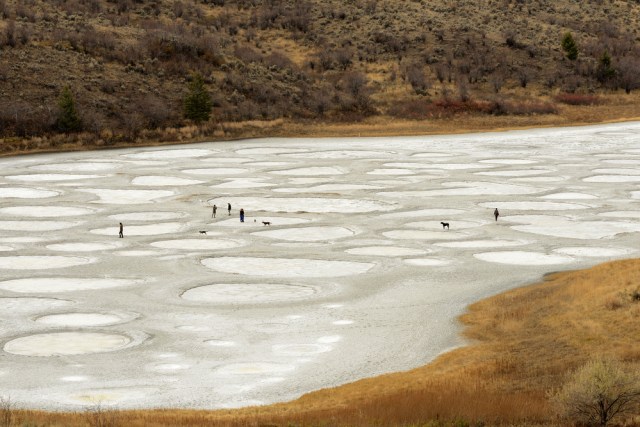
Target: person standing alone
point(496, 214)
point(229, 208)
point(213, 212)
point(121, 234)
point(241, 215)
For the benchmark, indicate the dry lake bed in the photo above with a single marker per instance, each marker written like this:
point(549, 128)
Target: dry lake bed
point(355, 275)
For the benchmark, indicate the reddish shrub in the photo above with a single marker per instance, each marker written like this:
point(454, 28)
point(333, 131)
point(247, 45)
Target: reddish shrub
point(577, 99)
point(444, 108)
point(521, 108)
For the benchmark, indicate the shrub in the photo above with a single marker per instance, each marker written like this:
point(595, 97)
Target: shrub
point(10, 34)
point(99, 416)
point(22, 119)
point(577, 99)
point(278, 60)
point(417, 79)
point(497, 81)
point(4, 10)
point(6, 411)
point(155, 112)
point(628, 77)
point(441, 108)
point(521, 108)
point(598, 392)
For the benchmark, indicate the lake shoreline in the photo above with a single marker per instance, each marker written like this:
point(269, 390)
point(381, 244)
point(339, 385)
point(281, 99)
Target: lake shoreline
point(614, 109)
point(516, 339)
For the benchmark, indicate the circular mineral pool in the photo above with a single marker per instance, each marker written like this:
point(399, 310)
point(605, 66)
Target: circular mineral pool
point(523, 258)
point(84, 246)
point(286, 267)
point(162, 180)
point(45, 211)
point(26, 193)
point(307, 234)
point(11, 305)
point(393, 251)
point(249, 293)
point(255, 368)
point(197, 244)
point(79, 319)
point(66, 343)
point(181, 153)
point(41, 262)
point(63, 284)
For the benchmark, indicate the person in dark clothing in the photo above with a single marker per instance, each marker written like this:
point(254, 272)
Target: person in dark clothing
point(496, 214)
point(213, 212)
point(241, 215)
point(229, 208)
point(121, 234)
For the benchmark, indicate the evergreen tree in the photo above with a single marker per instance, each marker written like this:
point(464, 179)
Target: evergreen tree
point(197, 102)
point(605, 70)
point(570, 47)
point(68, 119)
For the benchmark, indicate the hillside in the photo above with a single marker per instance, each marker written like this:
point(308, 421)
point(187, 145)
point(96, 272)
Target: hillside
point(127, 63)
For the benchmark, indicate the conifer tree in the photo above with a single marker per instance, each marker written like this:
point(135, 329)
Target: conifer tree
point(569, 46)
point(197, 102)
point(605, 70)
point(68, 118)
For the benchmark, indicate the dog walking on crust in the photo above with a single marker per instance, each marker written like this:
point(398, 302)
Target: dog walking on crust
point(445, 225)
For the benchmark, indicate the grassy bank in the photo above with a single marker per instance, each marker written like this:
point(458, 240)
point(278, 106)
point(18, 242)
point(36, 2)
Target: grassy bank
point(609, 109)
point(524, 343)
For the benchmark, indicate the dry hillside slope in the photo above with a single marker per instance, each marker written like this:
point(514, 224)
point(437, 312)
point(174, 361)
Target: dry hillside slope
point(127, 63)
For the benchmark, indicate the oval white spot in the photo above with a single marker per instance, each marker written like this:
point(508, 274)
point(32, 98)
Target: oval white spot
point(523, 258)
point(66, 343)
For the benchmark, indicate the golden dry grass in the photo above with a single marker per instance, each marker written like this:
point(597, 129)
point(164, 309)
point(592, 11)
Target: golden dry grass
point(525, 341)
point(615, 108)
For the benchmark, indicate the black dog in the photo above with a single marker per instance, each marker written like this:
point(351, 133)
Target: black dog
point(266, 222)
point(203, 232)
point(445, 225)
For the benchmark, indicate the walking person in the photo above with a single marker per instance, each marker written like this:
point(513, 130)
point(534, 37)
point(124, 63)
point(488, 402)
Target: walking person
point(213, 212)
point(496, 214)
point(229, 208)
point(121, 234)
point(241, 215)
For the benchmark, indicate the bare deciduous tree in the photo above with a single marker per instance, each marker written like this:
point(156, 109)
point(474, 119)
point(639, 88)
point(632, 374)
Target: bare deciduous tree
point(417, 79)
point(99, 416)
point(523, 77)
point(6, 411)
point(441, 72)
point(628, 77)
